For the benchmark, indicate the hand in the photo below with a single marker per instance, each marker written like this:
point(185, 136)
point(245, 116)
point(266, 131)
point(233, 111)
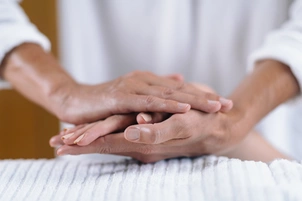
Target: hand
point(84, 135)
point(134, 92)
point(191, 134)
point(39, 77)
point(143, 118)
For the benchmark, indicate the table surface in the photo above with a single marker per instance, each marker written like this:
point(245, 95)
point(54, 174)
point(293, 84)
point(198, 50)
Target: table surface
point(205, 178)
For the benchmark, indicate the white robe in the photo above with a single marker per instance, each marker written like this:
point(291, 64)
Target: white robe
point(208, 41)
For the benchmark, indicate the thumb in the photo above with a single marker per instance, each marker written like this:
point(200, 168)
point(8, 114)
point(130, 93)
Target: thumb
point(151, 133)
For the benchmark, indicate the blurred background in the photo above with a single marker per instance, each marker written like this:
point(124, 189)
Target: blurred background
point(24, 127)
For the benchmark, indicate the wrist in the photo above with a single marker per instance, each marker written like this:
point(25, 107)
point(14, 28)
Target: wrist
point(271, 84)
point(37, 75)
point(59, 96)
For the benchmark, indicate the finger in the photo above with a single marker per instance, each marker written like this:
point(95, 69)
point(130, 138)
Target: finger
point(226, 104)
point(203, 101)
point(109, 125)
point(154, 133)
point(72, 129)
point(118, 145)
point(109, 144)
point(71, 138)
point(147, 103)
point(144, 118)
point(56, 141)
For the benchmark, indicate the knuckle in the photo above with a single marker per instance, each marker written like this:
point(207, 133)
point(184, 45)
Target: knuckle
point(103, 146)
point(104, 150)
point(149, 100)
point(167, 92)
point(211, 96)
point(180, 85)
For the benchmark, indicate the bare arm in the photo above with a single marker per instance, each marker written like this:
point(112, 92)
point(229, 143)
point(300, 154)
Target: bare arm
point(38, 76)
point(195, 133)
point(255, 147)
point(271, 84)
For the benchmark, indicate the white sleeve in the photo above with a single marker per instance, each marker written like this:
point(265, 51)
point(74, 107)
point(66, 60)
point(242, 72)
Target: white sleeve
point(15, 29)
point(284, 44)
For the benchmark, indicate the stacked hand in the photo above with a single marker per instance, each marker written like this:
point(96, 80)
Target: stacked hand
point(134, 92)
point(157, 135)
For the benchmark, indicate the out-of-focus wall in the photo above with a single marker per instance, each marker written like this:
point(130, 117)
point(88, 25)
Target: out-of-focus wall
point(24, 127)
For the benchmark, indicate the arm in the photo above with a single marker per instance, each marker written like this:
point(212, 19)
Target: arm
point(255, 147)
point(37, 75)
point(15, 29)
point(271, 84)
point(277, 78)
point(195, 133)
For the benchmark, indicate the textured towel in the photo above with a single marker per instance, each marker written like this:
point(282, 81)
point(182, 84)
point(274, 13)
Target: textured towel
point(205, 178)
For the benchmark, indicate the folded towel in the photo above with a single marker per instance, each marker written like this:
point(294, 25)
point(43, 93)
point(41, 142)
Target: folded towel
point(206, 178)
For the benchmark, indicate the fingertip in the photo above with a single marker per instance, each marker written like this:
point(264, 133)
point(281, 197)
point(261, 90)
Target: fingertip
point(225, 101)
point(147, 117)
point(184, 107)
point(132, 134)
point(214, 106)
point(51, 143)
point(55, 141)
point(226, 104)
point(227, 108)
point(60, 152)
point(140, 119)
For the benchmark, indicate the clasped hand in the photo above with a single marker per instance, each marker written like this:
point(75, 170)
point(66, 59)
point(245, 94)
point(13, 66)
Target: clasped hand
point(167, 132)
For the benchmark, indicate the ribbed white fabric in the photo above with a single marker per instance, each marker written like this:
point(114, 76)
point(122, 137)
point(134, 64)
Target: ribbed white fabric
point(205, 178)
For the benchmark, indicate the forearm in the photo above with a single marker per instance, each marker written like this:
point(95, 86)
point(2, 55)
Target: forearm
point(35, 74)
point(246, 150)
point(271, 84)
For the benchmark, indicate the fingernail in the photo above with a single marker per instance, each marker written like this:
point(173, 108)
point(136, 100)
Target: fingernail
point(212, 102)
point(79, 139)
point(132, 134)
point(65, 137)
point(224, 101)
point(146, 117)
point(183, 105)
point(59, 152)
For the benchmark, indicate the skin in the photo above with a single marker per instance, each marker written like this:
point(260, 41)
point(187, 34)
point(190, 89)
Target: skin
point(90, 132)
point(39, 77)
point(269, 85)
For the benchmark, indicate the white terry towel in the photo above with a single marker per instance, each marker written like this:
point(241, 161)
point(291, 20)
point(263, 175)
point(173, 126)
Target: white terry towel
point(206, 178)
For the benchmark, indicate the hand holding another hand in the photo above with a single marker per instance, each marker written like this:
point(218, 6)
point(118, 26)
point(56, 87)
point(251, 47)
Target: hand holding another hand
point(190, 134)
point(135, 92)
